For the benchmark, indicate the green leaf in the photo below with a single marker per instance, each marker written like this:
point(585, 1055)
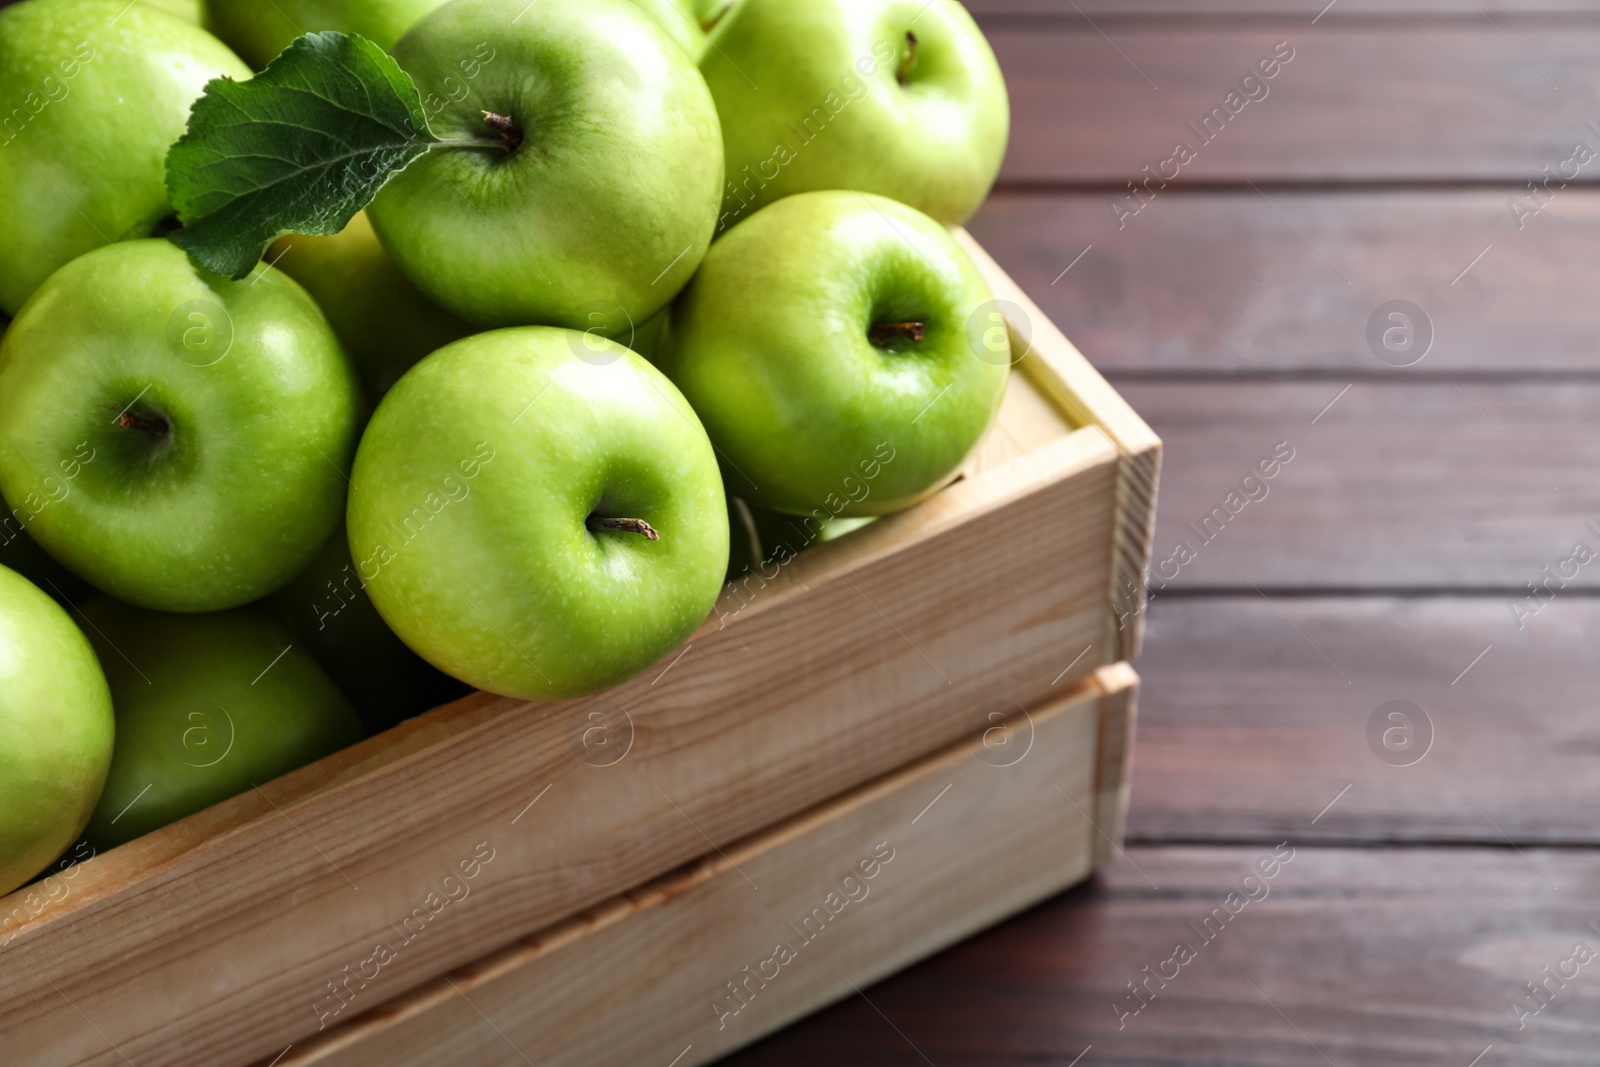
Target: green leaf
point(300, 148)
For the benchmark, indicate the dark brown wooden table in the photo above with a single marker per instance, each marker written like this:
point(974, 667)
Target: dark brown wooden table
point(1389, 561)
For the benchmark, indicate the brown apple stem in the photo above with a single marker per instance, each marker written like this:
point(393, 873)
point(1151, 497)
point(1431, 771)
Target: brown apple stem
point(510, 135)
point(154, 427)
point(707, 25)
point(884, 334)
point(637, 526)
point(908, 60)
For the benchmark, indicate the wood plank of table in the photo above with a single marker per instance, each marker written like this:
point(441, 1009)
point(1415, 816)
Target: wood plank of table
point(1391, 485)
point(1256, 717)
point(1286, 281)
point(1412, 101)
point(1352, 958)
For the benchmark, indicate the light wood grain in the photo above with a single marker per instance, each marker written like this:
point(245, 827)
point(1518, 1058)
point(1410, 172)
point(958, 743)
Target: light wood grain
point(1058, 371)
point(856, 657)
point(1396, 486)
point(1407, 101)
point(1220, 281)
point(635, 980)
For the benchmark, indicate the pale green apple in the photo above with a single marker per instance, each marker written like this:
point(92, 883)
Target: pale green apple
point(681, 20)
point(328, 610)
point(902, 98)
point(825, 345)
point(55, 730)
point(600, 193)
point(178, 439)
point(386, 324)
point(188, 10)
point(536, 516)
point(207, 706)
point(259, 29)
point(92, 93)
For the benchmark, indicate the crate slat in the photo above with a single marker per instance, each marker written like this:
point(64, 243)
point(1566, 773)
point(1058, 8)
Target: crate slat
point(641, 978)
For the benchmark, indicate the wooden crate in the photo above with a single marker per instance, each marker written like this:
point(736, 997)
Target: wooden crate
point(210, 941)
point(687, 967)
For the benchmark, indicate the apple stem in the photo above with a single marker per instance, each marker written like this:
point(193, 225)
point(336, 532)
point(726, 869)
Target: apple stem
point(154, 427)
point(883, 334)
point(510, 136)
point(709, 24)
point(596, 523)
point(908, 61)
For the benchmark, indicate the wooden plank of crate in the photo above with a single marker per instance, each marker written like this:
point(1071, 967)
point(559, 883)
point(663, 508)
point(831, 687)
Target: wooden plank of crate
point(1058, 370)
point(847, 661)
point(1393, 485)
point(975, 834)
point(1346, 108)
point(1220, 282)
point(1246, 732)
point(1408, 956)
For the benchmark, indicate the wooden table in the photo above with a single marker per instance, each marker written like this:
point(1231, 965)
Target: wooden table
point(1389, 560)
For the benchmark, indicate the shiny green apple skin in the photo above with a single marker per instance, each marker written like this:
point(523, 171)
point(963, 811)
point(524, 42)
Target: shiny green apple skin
point(56, 730)
point(206, 707)
point(327, 609)
point(770, 344)
point(258, 30)
point(384, 321)
point(261, 411)
point(104, 100)
point(474, 484)
point(609, 202)
point(680, 19)
point(188, 10)
point(831, 113)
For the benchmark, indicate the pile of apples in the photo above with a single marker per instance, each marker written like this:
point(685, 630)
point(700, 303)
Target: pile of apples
point(678, 268)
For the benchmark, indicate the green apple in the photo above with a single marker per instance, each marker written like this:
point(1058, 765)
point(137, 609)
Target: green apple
point(902, 98)
point(328, 610)
point(259, 29)
point(386, 324)
point(686, 21)
point(93, 92)
point(55, 730)
point(188, 10)
point(678, 19)
point(177, 439)
point(537, 516)
point(824, 344)
point(207, 706)
point(601, 191)
point(20, 552)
